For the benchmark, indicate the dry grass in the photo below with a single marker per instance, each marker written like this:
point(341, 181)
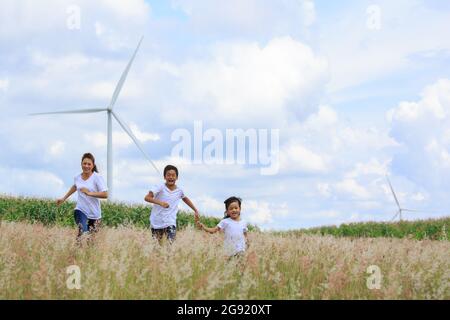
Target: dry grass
point(126, 263)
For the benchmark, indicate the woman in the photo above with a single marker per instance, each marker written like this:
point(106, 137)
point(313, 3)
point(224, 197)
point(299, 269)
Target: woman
point(91, 187)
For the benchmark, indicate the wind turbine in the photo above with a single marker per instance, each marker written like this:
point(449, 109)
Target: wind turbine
point(110, 112)
point(400, 209)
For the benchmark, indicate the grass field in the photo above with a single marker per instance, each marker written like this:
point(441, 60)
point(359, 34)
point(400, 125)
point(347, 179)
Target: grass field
point(37, 246)
point(126, 263)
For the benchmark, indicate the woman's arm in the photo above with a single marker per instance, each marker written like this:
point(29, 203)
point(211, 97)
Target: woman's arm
point(68, 194)
point(101, 195)
point(150, 198)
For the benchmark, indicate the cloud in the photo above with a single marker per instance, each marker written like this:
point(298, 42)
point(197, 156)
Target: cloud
point(248, 18)
point(422, 129)
point(297, 157)
point(244, 83)
point(120, 138)
point(358, 54)
point(27, 18)
point(30, 182)
point(57, 148)
point(351, 187)
point(4, 84)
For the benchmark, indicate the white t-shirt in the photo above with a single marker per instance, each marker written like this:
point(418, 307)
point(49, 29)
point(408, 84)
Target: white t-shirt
point(90, 206)
point(161, 217)
point(234, 235)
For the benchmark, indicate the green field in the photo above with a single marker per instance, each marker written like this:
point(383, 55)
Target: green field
point(115, 214)
point(432, 229)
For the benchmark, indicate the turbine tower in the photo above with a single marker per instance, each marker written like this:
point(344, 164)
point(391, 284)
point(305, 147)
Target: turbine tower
point(400, 209)
point(110, 112)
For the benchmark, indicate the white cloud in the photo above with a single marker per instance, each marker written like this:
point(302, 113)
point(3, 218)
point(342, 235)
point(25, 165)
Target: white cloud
point(422, 128)
point(358, 54)
point(298, 158)
point(373, 167)
point(4, 84)
point(250, 17)
point(262, 213)
point(57, 148)
point(244, 83)
point(351, 187)
point(30, 182)
point(120, 138)
point(26, 17)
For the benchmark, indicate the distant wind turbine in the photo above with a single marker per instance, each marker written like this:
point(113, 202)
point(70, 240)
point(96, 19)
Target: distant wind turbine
point(400, 209)
point(111, 113)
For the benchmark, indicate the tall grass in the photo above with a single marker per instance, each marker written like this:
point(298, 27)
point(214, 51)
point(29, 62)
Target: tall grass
point(126, 263)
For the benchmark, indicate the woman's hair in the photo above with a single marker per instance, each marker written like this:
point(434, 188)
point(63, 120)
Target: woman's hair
point(91, 157)
point(170, 167)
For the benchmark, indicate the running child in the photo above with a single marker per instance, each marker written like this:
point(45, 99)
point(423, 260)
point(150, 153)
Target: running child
point(235, 229)
point(165, 197)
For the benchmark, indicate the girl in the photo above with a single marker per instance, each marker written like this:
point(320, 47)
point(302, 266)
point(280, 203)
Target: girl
point(91, 187)
point(234, 227)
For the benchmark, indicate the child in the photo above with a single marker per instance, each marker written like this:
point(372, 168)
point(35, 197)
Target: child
point(234, 227)
point(166, 196)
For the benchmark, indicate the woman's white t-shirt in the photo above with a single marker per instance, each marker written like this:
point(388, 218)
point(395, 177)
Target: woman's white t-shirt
point(90, 206)
point(234, 235)
point(161, 217)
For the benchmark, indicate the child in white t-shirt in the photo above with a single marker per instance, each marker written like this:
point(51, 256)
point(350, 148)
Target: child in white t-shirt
point(165, 197)
point(234, 227)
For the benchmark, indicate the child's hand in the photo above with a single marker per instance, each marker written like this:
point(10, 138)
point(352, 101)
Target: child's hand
point(164, 204)
point(59, 201)
point(199, 224)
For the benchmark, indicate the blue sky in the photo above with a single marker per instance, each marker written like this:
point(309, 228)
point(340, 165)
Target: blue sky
point(357, 89)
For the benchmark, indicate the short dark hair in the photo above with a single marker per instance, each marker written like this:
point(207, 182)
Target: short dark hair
point(170, 167)
point(230, 200)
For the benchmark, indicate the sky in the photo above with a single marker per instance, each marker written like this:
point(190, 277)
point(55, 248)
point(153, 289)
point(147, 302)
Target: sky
point(334, 97)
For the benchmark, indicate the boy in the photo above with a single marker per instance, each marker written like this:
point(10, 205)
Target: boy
point(166, 196)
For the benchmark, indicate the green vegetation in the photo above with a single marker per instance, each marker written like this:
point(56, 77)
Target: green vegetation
point(113, 214)
point(433, 229)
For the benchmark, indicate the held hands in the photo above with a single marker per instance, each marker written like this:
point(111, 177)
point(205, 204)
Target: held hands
point(200, 225)
point(59, 201)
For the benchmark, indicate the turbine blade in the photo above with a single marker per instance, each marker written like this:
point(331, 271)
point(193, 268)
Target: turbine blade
point(123, 77)
point(70, 111)
point(136, 141)
point(393, 193)
point(398, 212)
